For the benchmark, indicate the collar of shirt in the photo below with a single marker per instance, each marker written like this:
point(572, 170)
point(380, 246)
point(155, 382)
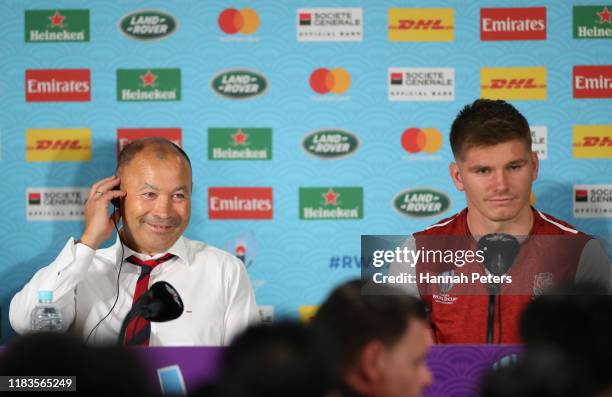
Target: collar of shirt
point(180, 249)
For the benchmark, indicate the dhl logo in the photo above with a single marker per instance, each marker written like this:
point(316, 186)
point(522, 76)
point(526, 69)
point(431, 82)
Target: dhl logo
point(592, 141)
point(69, 144)
point(59, 144)
point(499, 84)
point(421, 24)
point(596, 141)
point(519, 83)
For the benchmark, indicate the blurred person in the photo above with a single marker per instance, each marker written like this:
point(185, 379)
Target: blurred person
point(99, 371)
point(495, 167)
point(284, 359)
point(541, 372)
point(380, 342)
point(576, 320)
point(96, 287)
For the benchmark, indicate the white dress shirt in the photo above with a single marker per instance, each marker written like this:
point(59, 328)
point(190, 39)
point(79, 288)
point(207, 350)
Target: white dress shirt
point(213, 284)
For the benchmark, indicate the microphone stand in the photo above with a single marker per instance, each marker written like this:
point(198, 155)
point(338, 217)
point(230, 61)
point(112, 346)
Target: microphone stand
point(493, 290)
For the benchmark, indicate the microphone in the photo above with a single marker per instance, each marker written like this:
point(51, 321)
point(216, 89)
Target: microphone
point(159, 304)
point(500, 251)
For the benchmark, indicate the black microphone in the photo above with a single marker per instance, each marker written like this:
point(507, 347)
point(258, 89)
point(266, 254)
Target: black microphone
point(159, 304)
point(499, 251)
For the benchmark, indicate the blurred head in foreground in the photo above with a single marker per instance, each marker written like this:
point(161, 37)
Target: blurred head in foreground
point(284, 359)
point(106, 371)
point(380, 341)
point(568, 347)
point(576, 320)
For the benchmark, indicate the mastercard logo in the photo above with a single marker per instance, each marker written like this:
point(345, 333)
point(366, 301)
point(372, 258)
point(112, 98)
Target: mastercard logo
point(415, 140)
point(245, 21)
point(324, 81)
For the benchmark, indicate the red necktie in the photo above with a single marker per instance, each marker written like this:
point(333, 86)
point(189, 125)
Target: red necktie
point(138, 330)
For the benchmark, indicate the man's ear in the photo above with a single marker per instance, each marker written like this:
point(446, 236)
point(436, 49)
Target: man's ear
point(455, 175)
point(371, 361)
point(535, 164)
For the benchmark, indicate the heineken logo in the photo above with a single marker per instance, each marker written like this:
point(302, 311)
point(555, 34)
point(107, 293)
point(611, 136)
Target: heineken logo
point(239, 143)
point(148, 85)
point(331, 203)
point(593, 22)
point(56, 26)
point(421, 202)
point(330, 144)
point(148, 25)
point(239, 84)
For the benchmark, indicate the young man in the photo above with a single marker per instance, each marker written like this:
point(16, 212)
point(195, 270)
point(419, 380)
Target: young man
point(96, 288)
point(380, 341)
point(495, 168)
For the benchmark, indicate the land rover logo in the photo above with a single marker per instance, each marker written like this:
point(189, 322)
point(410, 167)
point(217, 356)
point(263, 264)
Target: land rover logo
point(239, 84)
point(330, 144)
point(421, 202)
point(148, 25)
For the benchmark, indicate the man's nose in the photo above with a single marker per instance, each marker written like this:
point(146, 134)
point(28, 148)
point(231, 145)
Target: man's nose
point(501, 180)
point(162, 206)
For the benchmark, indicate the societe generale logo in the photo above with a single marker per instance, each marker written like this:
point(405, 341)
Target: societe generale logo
point(240, 203)
point(244, 21)
point(513, 23)
point(325, 81)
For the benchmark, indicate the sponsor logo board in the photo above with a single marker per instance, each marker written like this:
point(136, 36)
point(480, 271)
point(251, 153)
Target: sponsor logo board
point(421, 24)
point(592, 201)
point(240, 203)
point(148, 25)
point(330, 144)
point(527, 23)
point(56, 203)
point(56, 25)
point(592, 22)
point(138, 85)
point(336, 203)
point(513, 83)
point(329, 24)
point(421, 84)
point(422, 202)
point(240, 143)
point(58, 144)
point(592, 141)
point(57, 85)
point(127, 135)
point(593, 81)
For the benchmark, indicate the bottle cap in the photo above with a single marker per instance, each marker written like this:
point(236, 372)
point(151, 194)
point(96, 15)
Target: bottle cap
point(45, 295)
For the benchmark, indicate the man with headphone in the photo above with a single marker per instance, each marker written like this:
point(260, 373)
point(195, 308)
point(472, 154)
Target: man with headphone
point(96, 288)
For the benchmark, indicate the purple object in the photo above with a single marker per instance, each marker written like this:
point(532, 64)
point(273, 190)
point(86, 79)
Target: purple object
point(457, 369)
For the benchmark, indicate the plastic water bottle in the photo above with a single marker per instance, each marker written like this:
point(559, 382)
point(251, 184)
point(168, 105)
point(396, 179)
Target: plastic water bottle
point(45, 316)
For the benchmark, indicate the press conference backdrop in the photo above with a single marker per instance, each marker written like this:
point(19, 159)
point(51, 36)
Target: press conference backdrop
point(308, 123)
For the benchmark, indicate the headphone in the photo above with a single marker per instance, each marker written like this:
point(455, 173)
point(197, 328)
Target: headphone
point(116, 202)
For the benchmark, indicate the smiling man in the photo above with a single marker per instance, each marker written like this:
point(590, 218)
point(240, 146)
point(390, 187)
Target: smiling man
point(96, 288)
point(495, 168)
